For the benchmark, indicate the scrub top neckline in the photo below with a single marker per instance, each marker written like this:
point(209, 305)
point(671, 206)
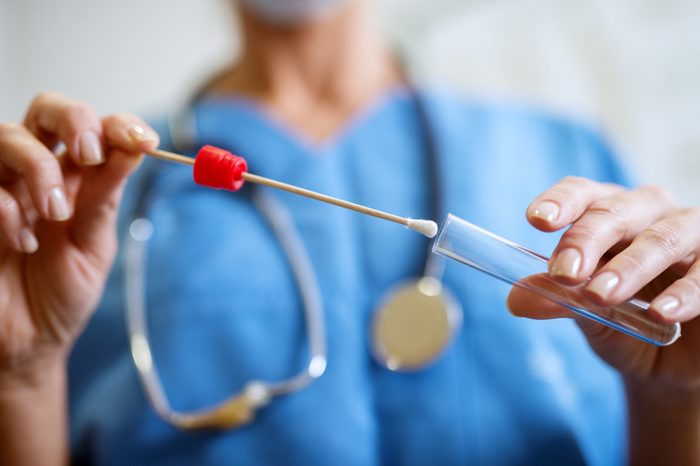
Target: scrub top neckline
point(295, 137)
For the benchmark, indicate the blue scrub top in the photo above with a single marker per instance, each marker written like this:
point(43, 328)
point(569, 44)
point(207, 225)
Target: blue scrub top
point(223, 307)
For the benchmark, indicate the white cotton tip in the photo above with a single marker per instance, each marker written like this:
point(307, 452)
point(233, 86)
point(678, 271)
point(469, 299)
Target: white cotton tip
point(424, 227)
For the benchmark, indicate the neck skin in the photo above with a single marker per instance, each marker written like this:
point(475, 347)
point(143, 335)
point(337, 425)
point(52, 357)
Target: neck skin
point(313, 76)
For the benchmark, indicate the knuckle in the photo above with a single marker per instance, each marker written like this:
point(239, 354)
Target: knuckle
point(578, 182)
point(691, 283)
point(9, 129)
point(122, 119)
point(108, 208)
point(569, 189)
point(78, 114)
point(613, 214)
point(693, 213)
point(8, 209)
point(575, 180)
point(659, 192)
point(39, 167)
point(613, 187)
point(632, 263)
point(561, 194)
point(43, 98)
point(125, 117)
point(694, 269)
point(579, 234)
point(663, 236)
point(610, 207)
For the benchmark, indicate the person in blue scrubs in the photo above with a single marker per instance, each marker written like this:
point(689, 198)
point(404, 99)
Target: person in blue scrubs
point(317, 100)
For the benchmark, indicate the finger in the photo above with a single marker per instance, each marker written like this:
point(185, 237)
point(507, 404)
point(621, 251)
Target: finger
point(525, 303)
point(681, 267)
point(680, 302)
point(19, 190)
point(650, 253)
point(566, 201)
point(13, 227)
point(72, 122)
point(605, 223)
point(72, 176)
point(129, 133)
point(21, 154)
point(97, 202)
point(522, 302)
point(527, 298)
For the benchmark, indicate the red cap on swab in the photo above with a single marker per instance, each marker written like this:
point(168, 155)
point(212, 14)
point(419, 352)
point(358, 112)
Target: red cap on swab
point(219, 169)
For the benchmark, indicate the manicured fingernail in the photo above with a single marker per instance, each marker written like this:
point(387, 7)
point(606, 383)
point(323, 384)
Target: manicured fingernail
point(546, 210)
point(58, 205)
point(667, 305)
point(138, 134)
point(603, 284)
point(28, 241)
point(566, 264)
point(91, 149)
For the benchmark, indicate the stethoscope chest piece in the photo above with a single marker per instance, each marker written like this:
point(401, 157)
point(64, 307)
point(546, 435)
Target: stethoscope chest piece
point(414, 325)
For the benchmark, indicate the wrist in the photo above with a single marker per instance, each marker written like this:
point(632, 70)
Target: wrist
point(33, 413)
point(663, 423)
point(661, 395)
point(32, 375)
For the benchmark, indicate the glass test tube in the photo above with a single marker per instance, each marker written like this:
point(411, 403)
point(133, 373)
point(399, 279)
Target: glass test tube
point(471, 245)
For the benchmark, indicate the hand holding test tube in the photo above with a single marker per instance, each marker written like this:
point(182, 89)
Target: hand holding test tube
point(471, 245)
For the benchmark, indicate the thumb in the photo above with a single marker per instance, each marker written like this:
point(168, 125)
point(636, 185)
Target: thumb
point(522, 302)
point(93, 226)
point(97, 202)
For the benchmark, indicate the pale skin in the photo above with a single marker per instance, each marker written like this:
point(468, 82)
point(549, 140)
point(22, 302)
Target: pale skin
point(55, 255)
point(649, 248)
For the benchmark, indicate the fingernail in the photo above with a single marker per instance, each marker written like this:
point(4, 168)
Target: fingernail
point(58, 205)
point(28, 241)
point(138, 134)
point(603, 284)
point(91, 149)
point(546, 210)
point(566, 264)
point(667, 305)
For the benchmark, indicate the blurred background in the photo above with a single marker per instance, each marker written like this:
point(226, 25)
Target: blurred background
point(630, 67)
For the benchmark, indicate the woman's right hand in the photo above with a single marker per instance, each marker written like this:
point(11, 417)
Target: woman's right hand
point(58, 225)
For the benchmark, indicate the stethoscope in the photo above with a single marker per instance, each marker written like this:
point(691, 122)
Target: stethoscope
point(412, 328)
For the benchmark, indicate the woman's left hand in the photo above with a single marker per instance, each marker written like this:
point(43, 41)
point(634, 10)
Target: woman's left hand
point(650, 249)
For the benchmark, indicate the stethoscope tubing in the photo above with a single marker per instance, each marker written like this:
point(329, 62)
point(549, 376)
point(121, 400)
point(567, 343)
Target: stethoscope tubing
point(183, 131)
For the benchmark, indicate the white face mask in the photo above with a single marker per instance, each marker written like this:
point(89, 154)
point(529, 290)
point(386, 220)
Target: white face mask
point(289, 12)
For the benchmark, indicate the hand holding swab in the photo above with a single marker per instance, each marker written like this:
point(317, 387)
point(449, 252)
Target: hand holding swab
point(221, 169)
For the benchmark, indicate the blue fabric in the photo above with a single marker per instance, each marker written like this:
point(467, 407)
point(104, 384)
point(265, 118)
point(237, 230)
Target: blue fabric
point(223, 307)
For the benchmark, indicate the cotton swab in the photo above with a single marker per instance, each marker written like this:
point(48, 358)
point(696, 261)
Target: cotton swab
point(221, 169)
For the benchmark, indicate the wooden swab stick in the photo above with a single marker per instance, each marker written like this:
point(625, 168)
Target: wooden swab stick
point(425, 227)
point(171, 157)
